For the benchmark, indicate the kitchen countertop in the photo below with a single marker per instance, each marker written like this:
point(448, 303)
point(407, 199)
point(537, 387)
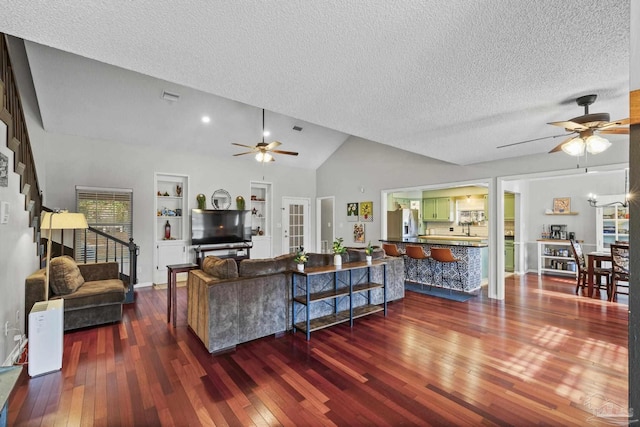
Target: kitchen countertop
point(442, 240)
point(456, 238)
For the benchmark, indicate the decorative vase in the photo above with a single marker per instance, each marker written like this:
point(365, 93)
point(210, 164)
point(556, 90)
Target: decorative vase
point(167, 231)
point(240, 203)
point(337, 260)
point(202, 201)
point(369, 258)
point(300, 267)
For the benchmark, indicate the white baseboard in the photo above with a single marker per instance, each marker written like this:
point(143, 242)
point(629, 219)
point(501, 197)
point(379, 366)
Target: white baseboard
point(16, 352)
point(142, 285)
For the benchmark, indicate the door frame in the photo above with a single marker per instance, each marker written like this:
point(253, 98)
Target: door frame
point(290, 200)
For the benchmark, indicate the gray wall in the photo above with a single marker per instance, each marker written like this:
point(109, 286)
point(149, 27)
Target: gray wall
point(18, 255)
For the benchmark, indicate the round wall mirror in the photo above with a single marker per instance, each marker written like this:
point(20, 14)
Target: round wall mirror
point(221, 199)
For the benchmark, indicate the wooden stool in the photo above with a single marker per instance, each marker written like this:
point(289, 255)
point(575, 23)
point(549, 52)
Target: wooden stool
point(445, 256)
point(417, 254)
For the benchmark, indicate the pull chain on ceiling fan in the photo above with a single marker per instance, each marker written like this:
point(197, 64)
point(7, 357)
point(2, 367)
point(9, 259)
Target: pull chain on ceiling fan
point(262, 149)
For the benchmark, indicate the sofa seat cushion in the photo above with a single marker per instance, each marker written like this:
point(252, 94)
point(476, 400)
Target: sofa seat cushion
point(64, 275)
point(220, 268)
point(92, 294)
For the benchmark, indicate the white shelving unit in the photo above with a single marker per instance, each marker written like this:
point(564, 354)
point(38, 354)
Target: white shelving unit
point(612, 223)
point(261, 220)
point(556, 257)
point(170, 207)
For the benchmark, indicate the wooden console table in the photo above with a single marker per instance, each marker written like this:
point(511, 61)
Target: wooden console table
point(172, 293)
point(348, 290)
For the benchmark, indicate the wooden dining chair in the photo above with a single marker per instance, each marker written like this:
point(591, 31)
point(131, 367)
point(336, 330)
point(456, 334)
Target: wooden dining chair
point(583, 273)
point(620, 270)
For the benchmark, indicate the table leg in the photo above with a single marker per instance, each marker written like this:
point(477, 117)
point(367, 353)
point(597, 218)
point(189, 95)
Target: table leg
point(168, 295)
point(174, 295)
point(590, 278)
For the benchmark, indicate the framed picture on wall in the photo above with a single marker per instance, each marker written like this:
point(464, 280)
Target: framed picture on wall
point(366, 211)
point(358, 232)
point(562, 205)
point(352, 212)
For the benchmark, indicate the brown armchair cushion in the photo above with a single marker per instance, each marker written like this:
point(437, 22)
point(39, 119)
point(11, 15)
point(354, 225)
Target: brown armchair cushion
point(220, 268)
point(64, 275)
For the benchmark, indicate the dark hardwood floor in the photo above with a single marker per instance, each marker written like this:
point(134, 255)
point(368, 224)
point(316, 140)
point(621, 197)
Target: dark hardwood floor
point(543, 356)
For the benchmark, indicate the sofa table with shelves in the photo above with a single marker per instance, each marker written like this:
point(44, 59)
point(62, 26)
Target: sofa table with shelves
point(336, 287)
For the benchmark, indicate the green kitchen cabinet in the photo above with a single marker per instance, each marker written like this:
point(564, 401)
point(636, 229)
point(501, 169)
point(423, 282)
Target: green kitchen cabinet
point(509, 206)
point(509, 262)
point(437, 209)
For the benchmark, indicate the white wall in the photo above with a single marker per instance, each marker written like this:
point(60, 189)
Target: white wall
point(18, 255)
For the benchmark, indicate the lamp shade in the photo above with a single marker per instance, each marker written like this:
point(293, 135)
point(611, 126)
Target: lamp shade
point(597, 144)
point(575, 147)
point(62, 221)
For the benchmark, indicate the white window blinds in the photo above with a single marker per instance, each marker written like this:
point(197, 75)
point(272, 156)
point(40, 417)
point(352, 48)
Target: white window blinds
point(109, 210)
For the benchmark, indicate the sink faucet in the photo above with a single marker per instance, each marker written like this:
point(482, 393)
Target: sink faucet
point(468, 224)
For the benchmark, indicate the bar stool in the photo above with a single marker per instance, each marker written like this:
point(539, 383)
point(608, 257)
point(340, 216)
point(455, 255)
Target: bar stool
point(417, 254)
point(445, 256)
point(390, 249)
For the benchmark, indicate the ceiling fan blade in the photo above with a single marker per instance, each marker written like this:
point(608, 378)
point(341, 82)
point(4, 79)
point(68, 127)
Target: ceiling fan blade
point(559, 146)
point(291, 153)
point(569, 125)
point(531, 140)
point(615, 123)
point(242, 145)
point(246, 152)
point(272, 145)
point(618, 131)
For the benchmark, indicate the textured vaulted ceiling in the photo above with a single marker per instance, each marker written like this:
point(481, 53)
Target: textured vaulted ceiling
point(450, 80)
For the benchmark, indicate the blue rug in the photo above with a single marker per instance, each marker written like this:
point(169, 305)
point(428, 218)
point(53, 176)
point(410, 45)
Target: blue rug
point(438, 292)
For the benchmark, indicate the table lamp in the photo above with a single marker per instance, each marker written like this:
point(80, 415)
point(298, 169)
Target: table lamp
point(58, 220)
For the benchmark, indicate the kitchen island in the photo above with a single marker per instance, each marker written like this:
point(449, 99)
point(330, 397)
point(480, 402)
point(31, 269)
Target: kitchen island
point(430, 272)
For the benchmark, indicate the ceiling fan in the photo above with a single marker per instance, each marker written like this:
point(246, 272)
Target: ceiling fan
point(262, 149)
point(583, 131)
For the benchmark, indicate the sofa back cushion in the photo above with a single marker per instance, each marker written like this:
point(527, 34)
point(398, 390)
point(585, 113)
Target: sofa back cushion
point(220, 268)
point(258, 267)
point(64, 275)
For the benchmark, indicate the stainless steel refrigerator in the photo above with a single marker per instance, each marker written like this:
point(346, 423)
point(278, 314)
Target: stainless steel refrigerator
point(402, 224)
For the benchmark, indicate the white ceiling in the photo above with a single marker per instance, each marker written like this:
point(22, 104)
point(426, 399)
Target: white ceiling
point(449, 80)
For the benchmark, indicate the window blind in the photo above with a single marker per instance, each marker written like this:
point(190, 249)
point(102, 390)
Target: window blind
point(109, 210)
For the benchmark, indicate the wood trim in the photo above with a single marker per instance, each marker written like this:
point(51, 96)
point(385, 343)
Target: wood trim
point(634, 107)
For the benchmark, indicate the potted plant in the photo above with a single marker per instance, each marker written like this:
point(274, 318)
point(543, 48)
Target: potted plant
point(338, 250)
point(369, 251)
point(301, 259)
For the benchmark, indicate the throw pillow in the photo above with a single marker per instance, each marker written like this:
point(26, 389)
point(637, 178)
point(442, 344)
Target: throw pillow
point(64, 275)
point(220, 268)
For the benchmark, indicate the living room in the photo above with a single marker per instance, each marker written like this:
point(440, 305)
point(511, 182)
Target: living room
point(357, 171)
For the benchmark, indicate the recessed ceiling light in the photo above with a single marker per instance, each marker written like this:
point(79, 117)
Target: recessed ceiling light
point(206, 119)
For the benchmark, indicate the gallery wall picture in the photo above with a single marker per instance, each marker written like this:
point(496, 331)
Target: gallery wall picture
point(366, 211)
point(358, 232)
point(352, 212)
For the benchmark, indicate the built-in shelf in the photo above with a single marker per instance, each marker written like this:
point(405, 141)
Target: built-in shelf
point(561, 213)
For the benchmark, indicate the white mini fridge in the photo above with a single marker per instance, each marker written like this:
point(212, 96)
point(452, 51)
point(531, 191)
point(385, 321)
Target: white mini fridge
point(46, 335)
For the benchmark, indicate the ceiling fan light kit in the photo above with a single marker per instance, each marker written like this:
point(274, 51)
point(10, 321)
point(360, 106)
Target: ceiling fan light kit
point(262, 149)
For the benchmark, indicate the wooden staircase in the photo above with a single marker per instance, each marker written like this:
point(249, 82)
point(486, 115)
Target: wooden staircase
point(11, 113)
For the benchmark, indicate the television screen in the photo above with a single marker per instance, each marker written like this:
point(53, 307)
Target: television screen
point(219, 226)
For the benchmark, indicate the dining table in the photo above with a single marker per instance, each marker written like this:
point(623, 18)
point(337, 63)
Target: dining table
point(595, 259)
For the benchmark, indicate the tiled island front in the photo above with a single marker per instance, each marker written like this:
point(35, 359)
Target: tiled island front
point(430, 272)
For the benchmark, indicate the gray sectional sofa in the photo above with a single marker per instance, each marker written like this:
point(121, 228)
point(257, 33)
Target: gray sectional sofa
point(230, 303)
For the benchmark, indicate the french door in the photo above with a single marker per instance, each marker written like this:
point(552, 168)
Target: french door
point(295, 224)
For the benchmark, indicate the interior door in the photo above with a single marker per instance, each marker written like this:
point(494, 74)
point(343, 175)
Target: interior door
point(295, 224)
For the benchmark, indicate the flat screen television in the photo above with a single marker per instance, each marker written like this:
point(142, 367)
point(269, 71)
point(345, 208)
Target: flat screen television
point(219, 226)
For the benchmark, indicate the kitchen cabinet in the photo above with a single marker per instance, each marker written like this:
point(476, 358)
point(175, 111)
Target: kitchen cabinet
point(612, 223)
point(509, 262)
point(171, 228)
point(509, 206)
point(437, 209)
point(556, 257)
